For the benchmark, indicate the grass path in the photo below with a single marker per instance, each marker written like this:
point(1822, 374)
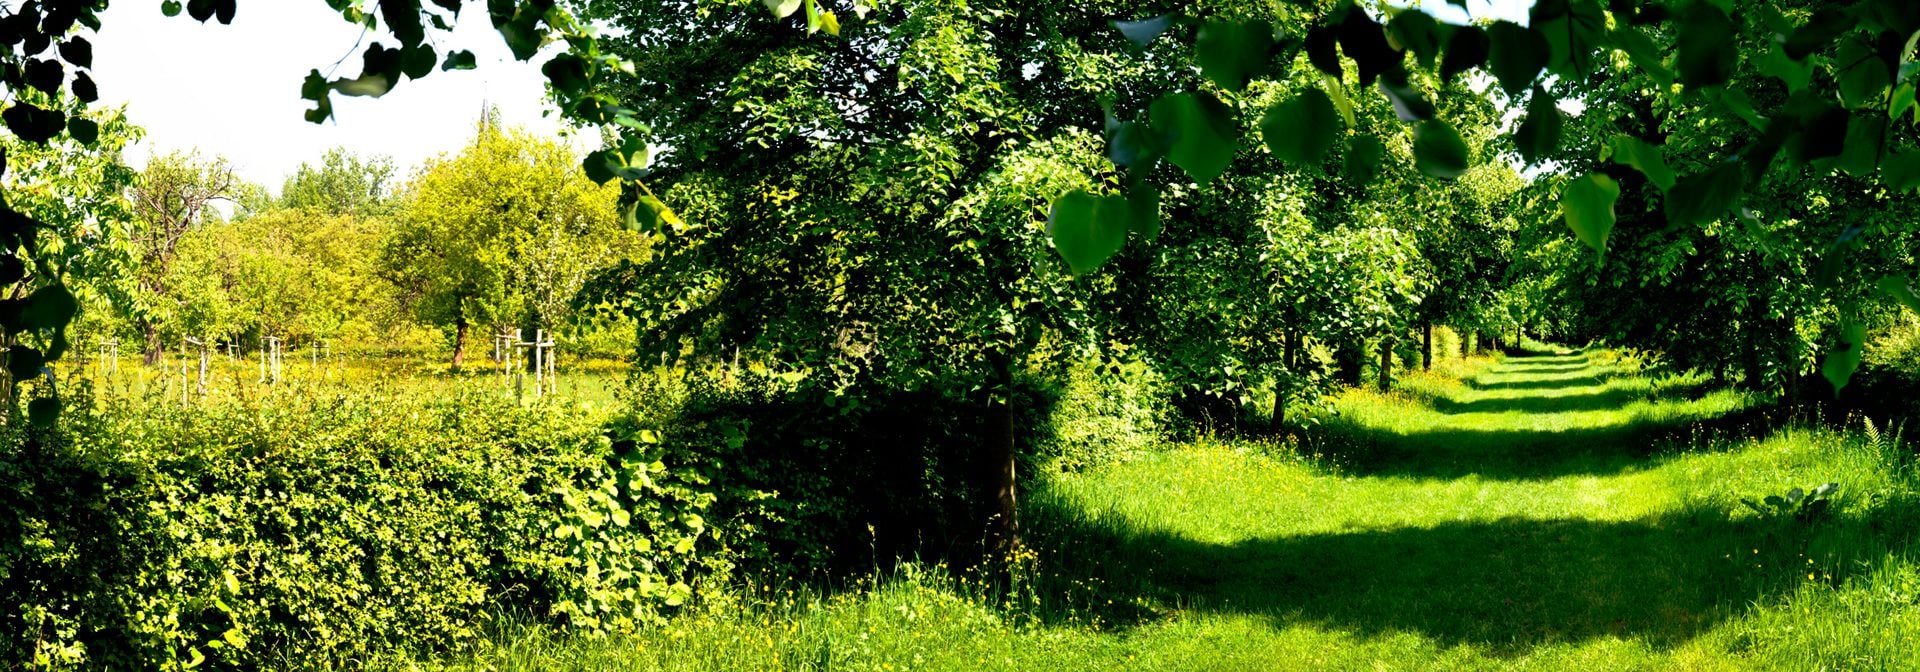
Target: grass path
point(1536, 513)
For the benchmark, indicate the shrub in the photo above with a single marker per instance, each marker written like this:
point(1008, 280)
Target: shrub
point(330, 530)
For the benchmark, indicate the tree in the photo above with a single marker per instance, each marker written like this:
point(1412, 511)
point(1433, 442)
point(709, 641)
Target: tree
point(862, 208)
point(343, 184)
point(505, 232)
point(76, 192)
point(173, 197)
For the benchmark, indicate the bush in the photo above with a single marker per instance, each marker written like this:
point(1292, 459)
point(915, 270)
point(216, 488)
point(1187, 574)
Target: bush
point(1099, 418)
point(330, 530)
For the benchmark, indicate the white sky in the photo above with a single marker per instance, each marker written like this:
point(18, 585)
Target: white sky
point(1511, 10)
point(234, 90)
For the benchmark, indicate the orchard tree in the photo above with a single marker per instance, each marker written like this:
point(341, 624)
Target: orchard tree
point(175, 194)
point(503, 233)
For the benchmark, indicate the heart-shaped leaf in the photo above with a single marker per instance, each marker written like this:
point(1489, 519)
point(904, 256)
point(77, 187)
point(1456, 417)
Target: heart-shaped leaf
point(1202, 134)
point(1438, 150)
point(1587, 205)
point(1301, 129)
point(1088, 230)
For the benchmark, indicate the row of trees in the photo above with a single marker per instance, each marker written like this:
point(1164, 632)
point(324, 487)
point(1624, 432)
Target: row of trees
point(500, 235)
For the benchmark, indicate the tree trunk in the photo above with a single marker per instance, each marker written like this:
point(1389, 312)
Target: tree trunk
point(1278, 422)
point(1348, 359)
point(1386, 364)
point(1426, 346)
point(1003, 522)
point(1469, 342)
point(152, 332)
point(459, 342)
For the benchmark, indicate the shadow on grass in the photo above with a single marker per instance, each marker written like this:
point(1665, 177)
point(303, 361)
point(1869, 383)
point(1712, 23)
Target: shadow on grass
point(1543, 383)
point(1507, 585)
point(1640, 436)
point(1591, 401)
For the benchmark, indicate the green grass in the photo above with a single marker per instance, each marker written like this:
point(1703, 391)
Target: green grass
point(1556, 512)
point(591, 382)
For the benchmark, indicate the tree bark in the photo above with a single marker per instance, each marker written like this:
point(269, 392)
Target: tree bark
point(1003, 522)
point(459, 342)
point(1426, 346)
point(152, 332)
point(1277, 423)
point(1386, 364)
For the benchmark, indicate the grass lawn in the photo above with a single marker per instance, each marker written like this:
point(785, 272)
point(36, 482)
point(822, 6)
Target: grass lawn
point(1547, 512)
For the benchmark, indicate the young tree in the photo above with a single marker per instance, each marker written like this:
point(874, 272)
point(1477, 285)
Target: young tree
point(505, 232)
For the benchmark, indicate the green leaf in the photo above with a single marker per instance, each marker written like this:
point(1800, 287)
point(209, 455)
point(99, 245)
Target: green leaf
point(84, 88)
point(1901, 172)
point(1133, 143)
point(599, 166)
point(1903, 100)
point(1573, 30)
point(1231, 53)
point(1438, 150)
point(1364, 154)
point(1587, 205)
point(370, 85)
point(1844, 358)
point(1706, 51)
point(782, 8)
point(1301, 129)
point(1144, 31)
point(458, 60)
point(1644, 157)
point(1143, 206)
point(1516, 57)
point(1778, 65)
point(1466, 50)
point(43, 412)
point(651, 213)
point(170, 8)
point(24, 362)
point(49, 307)
point(78, 51)
point(1861, 75)
point(417, 61)
point(1642, 51)
point(1202, 134)
point(567, 73)
point(1866, 139)
point(1417, 32)
point(522, 34)
point(1704, 197)
point(1088, 230)
point(1409, 104)
point(403, 20)
point(1322, 51)
point(1365, 41)
point(1902, 291)
point(1539, 135)
point(84, 131)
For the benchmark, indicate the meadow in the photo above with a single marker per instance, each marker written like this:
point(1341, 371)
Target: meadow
point(1549, 512)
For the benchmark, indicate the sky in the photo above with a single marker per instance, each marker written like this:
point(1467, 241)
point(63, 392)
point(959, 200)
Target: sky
point(1510, 10)
point(234, 90)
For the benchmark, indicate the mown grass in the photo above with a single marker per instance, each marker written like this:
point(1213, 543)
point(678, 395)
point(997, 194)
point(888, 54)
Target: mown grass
point(1555, 512)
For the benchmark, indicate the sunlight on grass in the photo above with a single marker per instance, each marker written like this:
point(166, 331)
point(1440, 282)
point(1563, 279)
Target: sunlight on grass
point(1546, 513)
